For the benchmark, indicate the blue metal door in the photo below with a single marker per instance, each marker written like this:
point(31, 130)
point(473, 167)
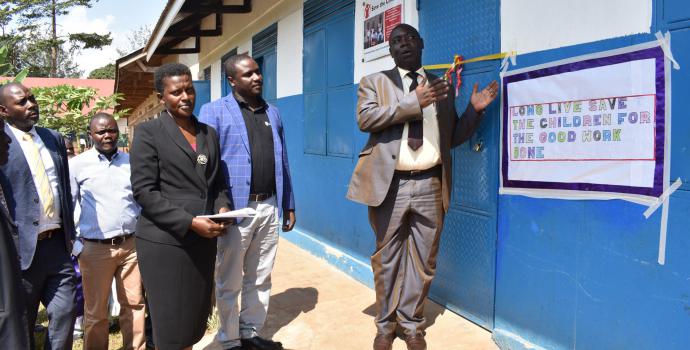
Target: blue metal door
point(466, 264)
point(203, 94)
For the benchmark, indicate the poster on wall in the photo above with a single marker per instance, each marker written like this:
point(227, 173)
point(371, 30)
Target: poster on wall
point(591, 127)
point(380, 17)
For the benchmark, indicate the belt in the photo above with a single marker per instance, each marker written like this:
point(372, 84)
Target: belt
point(434, 170)
point(259, 197)
point(111, 241)
point(47, 234)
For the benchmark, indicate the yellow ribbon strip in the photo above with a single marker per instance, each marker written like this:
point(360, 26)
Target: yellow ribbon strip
point(495, 56)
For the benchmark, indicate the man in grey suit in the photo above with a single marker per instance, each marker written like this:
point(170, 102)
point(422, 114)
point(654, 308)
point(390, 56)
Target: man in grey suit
point(38, 196)
point(404, 176)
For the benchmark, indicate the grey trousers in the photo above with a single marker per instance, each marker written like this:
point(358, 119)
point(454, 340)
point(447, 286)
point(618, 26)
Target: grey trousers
point(243, 268)
point(408, 227)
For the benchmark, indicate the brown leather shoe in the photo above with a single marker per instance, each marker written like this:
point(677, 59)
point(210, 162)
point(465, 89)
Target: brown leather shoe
point(383, 341)
point(415, 342)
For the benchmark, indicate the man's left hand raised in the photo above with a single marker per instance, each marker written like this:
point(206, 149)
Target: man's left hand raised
point(483, 98)
point(289, 221)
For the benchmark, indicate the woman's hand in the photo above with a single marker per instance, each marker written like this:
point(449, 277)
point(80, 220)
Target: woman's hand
point(205, 227)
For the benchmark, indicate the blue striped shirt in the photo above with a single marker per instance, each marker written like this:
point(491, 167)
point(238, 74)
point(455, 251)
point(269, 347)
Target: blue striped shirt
point(104, 206)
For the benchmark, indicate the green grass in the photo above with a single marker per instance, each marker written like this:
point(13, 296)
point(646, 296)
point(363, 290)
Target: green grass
point(115, 341)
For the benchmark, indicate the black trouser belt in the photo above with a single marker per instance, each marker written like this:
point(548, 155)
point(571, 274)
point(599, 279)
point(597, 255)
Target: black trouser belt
point(258, 197)
point(434, 170)
point(48, 234)
point(111, 241)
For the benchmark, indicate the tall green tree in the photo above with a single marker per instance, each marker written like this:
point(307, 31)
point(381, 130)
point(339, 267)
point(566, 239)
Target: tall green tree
point(34, 15)
point(33, 51)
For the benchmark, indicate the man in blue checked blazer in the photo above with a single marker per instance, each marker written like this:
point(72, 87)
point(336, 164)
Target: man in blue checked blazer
point(254, 158)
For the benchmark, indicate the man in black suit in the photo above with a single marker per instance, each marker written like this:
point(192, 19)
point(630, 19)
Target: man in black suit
point(13, 329)
point(38, 196)
point(404, 175)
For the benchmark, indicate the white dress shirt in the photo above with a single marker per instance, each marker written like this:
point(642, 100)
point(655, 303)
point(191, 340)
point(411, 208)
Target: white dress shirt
point(428, 155)
point(44, 223)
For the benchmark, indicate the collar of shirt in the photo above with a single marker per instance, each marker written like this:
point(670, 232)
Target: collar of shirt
point(19, 135)
point(102, 195)
point(403, 74)
point(243, 103)
point(102, 156)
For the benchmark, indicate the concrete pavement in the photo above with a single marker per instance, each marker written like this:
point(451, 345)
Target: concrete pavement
point(314, 306)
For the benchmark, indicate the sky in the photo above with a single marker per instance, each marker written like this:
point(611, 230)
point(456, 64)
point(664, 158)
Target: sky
point(119, 17)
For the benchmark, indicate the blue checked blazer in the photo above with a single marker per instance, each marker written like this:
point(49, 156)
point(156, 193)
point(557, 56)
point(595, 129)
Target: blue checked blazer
point(225, 116)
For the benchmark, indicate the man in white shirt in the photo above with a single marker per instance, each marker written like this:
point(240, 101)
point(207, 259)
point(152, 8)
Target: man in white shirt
point(107, 216)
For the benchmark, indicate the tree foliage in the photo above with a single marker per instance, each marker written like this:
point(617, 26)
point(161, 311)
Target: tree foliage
point(136, 39)
point(66, 108)
point(37, 36)
point(6, 67)
point(35, 55)
point(105, 72)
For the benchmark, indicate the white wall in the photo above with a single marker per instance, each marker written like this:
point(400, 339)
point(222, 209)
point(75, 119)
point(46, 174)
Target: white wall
point(289, 52)
point(246, 46)
point(410, 16)
point(190, 60)
point(215, 80)
point(536, 25)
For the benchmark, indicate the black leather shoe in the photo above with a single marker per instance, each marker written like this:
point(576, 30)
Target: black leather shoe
point(258, 343)
point(236, 348)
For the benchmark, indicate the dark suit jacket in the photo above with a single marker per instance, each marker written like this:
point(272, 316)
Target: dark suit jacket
point(13, 325)
point(383, 108)
point(171, 182)
point(22, 197)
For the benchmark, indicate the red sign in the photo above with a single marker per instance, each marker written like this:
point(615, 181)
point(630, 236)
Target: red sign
point(392, 17)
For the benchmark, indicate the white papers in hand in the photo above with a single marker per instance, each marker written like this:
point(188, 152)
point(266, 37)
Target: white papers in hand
point(239, 213)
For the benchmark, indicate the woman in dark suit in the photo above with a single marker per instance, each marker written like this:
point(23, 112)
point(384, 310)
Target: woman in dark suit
point(176, 176)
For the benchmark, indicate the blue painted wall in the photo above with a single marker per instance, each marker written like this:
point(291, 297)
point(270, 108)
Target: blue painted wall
point(323, 141)
point(584, 274)
point(539, 273)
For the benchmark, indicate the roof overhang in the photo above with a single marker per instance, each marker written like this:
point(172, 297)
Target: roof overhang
point(181, 20)
point(134, 78)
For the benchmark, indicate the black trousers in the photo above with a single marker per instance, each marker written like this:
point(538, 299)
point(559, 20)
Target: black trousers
point(51, 281)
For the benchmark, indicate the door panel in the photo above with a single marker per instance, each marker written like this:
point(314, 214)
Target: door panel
point(465, 275)
point(474, 184)
point(203, 94)
point(466, 264)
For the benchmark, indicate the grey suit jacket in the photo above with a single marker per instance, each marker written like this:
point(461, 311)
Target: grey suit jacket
point(22, 198)
point(383, 108)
